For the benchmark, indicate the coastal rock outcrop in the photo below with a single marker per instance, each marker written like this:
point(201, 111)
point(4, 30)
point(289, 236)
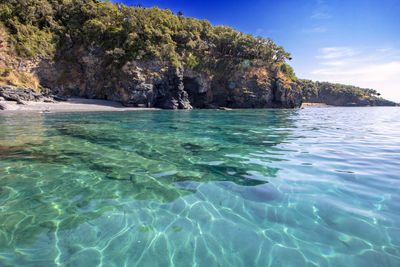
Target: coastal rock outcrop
point(22, 94)
point(178, 88)
point(161, 85)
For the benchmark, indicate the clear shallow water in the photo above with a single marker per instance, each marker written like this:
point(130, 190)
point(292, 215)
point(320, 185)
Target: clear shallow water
point(310, 187)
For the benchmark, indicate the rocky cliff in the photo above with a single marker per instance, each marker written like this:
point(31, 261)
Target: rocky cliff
point(153, 83)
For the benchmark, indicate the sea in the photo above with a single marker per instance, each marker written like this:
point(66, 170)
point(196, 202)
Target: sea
point(318, 186)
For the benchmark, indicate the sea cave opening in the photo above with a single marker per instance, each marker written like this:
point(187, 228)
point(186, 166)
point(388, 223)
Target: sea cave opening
point(196, 98)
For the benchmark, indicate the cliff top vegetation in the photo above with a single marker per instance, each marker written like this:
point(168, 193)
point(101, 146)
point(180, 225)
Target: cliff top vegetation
point(122, 33)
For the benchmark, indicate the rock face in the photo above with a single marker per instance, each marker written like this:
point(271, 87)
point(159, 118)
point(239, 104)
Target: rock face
point(154, 84)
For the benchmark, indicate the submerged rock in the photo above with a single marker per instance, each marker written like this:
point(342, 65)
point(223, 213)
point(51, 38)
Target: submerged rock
point(260, 193)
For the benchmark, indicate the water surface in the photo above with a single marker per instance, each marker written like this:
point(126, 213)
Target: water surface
point(309, 187)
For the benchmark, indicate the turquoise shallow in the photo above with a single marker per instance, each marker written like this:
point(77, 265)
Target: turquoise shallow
point(308, 187)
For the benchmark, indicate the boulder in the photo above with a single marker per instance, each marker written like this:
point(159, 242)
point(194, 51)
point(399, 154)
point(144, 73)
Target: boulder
point(21, 94)
point(60, 98)
point(21, 102)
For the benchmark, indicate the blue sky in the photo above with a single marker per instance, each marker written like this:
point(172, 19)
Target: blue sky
point(352, 42)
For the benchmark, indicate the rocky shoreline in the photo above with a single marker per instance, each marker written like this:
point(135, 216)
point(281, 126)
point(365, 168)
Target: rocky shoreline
point(74, 104)
point(155, 85)
point(161, 85)
point(19, 99)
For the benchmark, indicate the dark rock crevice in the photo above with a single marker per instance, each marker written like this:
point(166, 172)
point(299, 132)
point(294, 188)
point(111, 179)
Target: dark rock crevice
point(170, 93)
point(196, 98)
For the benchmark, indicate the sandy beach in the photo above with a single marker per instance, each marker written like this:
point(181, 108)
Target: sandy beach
point(73, 104)
point(307, 104)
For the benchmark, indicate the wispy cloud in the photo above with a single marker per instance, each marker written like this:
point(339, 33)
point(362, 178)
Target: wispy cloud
point(316, 30)
point(384, 50)
point(334, 63)
point(377, 68)
point(336, 52)
point(320, 15)
point(259, 31)
point(321, 11)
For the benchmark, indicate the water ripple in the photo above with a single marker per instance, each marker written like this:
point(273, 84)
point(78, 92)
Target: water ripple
point(309, 187)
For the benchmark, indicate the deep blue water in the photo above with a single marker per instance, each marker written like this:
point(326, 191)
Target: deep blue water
point(308, 187)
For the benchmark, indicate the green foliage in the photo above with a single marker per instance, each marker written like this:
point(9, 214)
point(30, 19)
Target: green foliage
point(288, 71)
point(309, 88)
point(31, 24)
point(175, 61)
point(340, 90)
point(192, 61)
point(122, 33)
point(318, 91)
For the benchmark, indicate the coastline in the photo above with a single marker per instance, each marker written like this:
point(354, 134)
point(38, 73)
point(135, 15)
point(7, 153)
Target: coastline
point(74, 104)
point(78, 104)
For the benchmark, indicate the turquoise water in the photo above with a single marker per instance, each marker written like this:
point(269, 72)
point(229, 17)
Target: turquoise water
point(309, 187)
